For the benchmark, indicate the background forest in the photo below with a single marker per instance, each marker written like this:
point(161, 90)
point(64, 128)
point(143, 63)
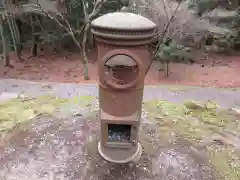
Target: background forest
point(184, 28)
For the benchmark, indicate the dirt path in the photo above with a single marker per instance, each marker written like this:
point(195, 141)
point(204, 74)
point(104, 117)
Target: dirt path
point(225, 97)
point(62, 145)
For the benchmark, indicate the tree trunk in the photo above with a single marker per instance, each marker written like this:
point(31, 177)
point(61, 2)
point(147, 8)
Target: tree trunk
point(13, 29)
point(4, 45)
point(84, 51)
point(16, 31)
point(84, 42)
point(35, 44)
point(19, 27)
point(36, 29)
point(166, 69)
point(15, 37)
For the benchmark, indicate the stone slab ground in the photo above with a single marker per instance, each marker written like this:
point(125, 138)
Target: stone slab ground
point(49, 131)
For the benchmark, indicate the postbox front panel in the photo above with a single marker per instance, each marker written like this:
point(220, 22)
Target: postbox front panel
point(120, 103)
point(127, 56)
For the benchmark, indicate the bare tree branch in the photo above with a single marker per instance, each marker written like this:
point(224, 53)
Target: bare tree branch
point(85, 28)
point(183, 24)
point(88, 18)
point(165, 9)
point(67, 28)
point(168, 25)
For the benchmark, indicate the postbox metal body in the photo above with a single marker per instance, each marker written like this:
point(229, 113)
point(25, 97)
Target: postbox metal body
point(123, 61)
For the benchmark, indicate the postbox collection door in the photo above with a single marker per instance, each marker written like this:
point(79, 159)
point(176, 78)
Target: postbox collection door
point(119, 134)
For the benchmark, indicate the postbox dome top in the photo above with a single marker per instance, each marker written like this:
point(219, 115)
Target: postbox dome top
point(123, 21)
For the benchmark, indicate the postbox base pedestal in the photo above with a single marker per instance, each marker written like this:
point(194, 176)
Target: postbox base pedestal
point(133, 158)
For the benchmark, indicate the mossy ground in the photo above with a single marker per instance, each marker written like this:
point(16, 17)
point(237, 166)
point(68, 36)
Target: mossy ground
point(205, 126)
point(23, 109)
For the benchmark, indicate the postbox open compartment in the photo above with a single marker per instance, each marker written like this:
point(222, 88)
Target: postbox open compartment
point(119, 133)
point(121, 70)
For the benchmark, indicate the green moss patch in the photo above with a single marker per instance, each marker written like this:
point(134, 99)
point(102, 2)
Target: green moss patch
point(21, 110)
point(83, 101)
point(86, 100)
point(199, 123)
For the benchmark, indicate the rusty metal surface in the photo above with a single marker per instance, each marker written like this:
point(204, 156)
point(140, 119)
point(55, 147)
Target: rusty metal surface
point(122, 69)
point(123, 26)
point(120, 103)
point(123, 42)
point(126, 35)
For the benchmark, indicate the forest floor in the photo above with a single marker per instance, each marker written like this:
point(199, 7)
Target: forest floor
point(210, 71)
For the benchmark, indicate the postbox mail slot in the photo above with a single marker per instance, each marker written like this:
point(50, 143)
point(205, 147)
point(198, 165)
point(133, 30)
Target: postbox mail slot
point(121, 70)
